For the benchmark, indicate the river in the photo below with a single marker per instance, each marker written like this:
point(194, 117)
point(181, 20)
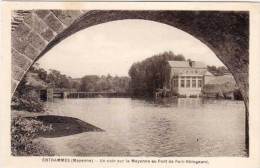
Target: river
point(170, 127)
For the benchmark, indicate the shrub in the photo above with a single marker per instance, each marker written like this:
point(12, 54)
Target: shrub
point(23, 131)
point(26, 98)
point(27, 103)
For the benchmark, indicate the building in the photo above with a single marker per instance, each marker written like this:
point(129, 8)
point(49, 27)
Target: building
point(222, 87)
point(185, 78)
point(208, 77)
point(38, 85)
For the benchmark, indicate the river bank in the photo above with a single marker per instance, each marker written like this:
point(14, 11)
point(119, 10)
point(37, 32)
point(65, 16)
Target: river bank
point(30, 130)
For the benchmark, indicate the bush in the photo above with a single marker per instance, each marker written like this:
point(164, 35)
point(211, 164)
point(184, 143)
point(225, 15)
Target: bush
point(26, 98)
point(27, 103)
point(23, 131)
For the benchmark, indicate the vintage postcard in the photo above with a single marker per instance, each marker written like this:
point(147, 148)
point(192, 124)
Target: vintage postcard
point(130, 84)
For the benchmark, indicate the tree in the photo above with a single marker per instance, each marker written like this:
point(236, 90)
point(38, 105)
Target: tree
point(42, 73)
point(150, 74)
point(88, 83)
point(94, 83)
point(57, 80)
point(218, 70)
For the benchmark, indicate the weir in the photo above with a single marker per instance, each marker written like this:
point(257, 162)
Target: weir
point(63, 94)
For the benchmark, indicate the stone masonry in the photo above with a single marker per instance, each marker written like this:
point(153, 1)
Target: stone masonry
point(32, 33)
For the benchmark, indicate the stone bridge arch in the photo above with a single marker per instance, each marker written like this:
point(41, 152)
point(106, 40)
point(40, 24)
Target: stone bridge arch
point(35, 32)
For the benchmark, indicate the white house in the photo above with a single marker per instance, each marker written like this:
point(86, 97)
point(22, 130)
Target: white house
point(186, 78)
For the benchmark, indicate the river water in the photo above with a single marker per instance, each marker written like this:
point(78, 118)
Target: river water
point(169, 127)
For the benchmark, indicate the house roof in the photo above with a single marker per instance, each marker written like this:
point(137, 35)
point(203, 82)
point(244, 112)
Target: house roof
point(219, 88)
point(186, 64)
point(179, 64)
point(222, 84)
point(222, 80)
point(198, 64)
point(208, 74)
point(34, 80)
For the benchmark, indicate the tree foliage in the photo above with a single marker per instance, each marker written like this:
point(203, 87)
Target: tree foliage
point(150, 74)
point(57, 80)
point(23, 131)
point(88, 83)
point(94, 83)
point(218, 71)
point(26, 98)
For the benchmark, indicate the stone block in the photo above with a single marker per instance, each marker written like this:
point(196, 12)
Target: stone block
point(36, 24)
point(243, 79)
point(54, 23)
point(31, 52)
point(17, 73)
point(67, 16)
point(244, 62)
point(13, 85)
point(20, 60)
point(21, 31)
point(28, 19)
point(48, 34)
point(36, 41)
point(18, 44)
point(243, 84)
point(42, 13)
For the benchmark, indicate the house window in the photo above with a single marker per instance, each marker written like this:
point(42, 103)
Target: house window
point(182, 83)
point(187, 82)
point(193, 82)
point(199, 83)
point(175, 82)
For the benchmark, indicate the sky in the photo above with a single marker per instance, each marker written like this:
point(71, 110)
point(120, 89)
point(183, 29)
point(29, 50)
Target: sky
point(111, 48)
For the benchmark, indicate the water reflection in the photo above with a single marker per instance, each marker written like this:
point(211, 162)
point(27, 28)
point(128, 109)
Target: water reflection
point(180, 102)
point(165, 127)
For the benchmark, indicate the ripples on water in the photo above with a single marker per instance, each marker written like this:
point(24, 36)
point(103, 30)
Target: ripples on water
point(168, 127)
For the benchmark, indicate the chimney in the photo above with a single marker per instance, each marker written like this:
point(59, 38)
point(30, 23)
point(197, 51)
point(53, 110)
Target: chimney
point(190, 62)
